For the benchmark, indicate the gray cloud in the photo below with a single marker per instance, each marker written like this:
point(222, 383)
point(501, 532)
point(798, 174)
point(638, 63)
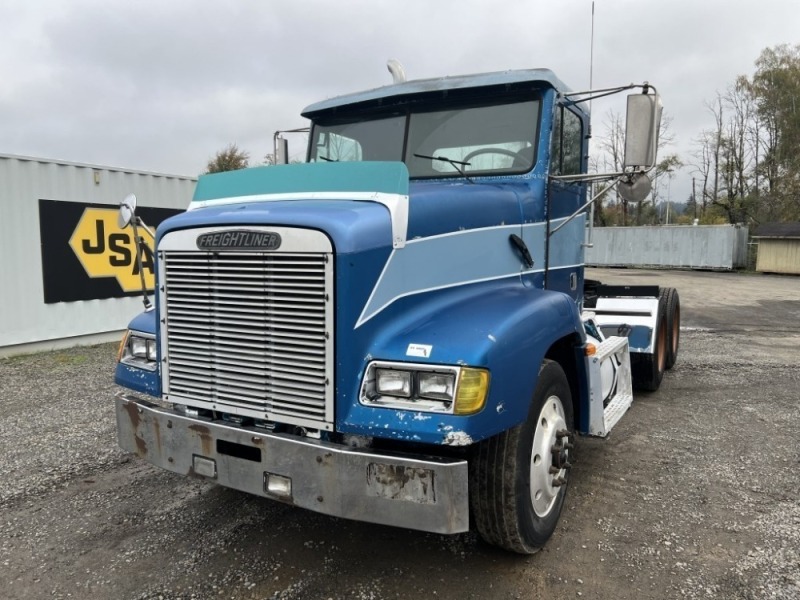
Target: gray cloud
point(163, 85)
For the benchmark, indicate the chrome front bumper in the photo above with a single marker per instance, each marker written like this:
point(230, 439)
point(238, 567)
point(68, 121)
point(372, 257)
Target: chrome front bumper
point(425, 493)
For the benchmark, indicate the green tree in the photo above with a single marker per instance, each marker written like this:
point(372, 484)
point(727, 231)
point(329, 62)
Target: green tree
point(776, 89)
point(229, 158)
point(748, 166)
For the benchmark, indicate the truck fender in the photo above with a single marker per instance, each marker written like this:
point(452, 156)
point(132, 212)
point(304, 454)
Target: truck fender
point(135, 378)
point(508, 329)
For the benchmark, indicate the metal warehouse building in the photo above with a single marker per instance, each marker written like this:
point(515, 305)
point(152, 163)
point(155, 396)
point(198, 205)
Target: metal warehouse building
point(69, 274)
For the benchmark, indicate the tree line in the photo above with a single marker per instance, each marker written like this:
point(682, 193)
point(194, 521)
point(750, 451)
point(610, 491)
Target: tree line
point(745, 166)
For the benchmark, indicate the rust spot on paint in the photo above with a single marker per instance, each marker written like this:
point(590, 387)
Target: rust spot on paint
point(205, 438)
point(157, 427)
point(141, 446)
point(133, 413)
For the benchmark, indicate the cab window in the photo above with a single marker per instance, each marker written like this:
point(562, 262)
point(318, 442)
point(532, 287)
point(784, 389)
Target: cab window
point(567, 143)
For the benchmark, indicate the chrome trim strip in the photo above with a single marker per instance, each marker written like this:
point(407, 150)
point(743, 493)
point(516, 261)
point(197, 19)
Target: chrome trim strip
point(293, 239)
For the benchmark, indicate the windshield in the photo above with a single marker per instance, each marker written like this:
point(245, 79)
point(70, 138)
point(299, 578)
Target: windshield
point(487, 140)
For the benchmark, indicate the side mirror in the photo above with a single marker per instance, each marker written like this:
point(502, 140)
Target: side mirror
point(127, 210)
point(641, 131)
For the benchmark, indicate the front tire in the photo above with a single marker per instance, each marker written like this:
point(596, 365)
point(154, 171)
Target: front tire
point(518, 479)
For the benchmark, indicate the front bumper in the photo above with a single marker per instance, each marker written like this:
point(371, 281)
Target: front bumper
point(424, 493)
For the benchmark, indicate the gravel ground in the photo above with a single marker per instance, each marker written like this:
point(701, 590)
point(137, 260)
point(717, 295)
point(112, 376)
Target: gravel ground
point(694, 495)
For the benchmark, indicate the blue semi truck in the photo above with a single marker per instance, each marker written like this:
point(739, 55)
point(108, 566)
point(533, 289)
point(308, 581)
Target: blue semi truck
point(399, 329)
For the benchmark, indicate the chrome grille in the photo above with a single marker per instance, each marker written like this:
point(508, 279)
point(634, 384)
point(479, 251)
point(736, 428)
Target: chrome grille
point(249, 333)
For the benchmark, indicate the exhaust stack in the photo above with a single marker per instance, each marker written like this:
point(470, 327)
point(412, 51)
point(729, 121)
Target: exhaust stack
point(397, 70)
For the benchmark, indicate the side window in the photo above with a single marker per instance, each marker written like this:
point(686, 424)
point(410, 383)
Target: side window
point(567, 143)
point(556, 143)
point(572, 149)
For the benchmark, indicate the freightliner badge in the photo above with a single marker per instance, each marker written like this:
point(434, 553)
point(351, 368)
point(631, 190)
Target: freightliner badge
point(239, 239)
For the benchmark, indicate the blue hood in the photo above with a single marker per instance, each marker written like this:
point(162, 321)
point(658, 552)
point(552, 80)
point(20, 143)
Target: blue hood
point(351, 226)
point(317, 196)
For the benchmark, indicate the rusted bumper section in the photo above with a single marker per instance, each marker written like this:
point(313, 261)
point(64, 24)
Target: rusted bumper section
point(424, 493)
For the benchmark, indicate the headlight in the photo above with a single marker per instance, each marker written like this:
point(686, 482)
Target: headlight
point(139, 350)
point(393, 383)
point(138, 346)
point(426, 388)
point(436, 386)
point(152, 352)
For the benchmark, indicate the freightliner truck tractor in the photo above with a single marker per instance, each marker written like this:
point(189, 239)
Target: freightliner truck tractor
point(399, 330)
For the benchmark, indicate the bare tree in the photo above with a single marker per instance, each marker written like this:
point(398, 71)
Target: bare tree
point(611, 157)
point(703, 165)
point(748, 163)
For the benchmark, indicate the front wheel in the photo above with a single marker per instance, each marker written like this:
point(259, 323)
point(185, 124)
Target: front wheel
point(518, 479)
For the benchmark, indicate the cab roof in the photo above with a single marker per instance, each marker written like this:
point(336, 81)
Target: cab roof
point(459, 82)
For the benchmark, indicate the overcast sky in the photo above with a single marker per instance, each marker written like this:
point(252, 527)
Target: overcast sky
point(162, 85)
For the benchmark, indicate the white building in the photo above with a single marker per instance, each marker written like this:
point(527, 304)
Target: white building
point(67, 272)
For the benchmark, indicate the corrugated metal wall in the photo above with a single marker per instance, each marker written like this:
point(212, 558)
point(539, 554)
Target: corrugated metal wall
point(693, 247)
point(778, 256)
point(24, 317)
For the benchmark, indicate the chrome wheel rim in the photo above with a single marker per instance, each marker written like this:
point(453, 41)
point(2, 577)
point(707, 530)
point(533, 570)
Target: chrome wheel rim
point(548, 456)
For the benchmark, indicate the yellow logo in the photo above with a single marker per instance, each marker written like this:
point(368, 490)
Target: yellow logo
point(105, 250)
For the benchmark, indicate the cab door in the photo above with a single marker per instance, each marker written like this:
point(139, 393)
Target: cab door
point(565, 250)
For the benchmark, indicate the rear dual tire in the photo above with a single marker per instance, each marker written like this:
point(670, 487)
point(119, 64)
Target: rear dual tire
point(647, 370)
point(673, 307)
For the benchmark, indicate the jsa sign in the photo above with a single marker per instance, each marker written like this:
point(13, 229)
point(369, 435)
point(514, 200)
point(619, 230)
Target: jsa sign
point(105, 250)
point(86, 256)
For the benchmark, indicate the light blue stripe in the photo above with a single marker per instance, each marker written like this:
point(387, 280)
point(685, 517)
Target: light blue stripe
point(566, 245)
point(466, 257)
point(445, 261)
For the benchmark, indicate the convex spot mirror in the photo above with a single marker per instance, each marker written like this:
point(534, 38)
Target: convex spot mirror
point(641, 131)
point(635, 188)
point(127, 209)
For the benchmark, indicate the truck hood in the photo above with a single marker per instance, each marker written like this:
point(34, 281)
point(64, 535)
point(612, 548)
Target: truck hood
point(360, 205)
point(352, 226)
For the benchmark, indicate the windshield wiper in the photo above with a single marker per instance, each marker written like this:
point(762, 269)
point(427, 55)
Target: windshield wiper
point(456, 164)
point(326, 159)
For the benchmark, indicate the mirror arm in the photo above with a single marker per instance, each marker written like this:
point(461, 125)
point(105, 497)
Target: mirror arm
point(145, 227)
point(139, 242)
point(588, 177)
point(582, 208)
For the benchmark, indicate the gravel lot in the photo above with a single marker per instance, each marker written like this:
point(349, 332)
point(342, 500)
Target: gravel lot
point(694, 495)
